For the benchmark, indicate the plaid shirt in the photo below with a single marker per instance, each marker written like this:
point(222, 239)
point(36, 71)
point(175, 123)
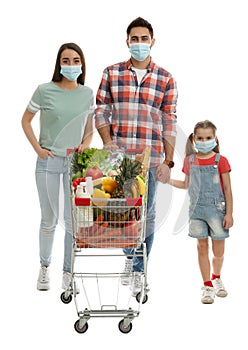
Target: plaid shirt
point(139, 114)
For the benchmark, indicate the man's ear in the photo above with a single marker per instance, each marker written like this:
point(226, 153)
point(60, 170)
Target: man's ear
point(153, 42)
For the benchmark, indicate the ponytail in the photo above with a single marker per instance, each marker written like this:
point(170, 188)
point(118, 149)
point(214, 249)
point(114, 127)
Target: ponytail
point(189, 148)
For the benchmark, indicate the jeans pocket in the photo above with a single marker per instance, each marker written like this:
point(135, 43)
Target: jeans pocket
point(41, 165)
point(221, 206)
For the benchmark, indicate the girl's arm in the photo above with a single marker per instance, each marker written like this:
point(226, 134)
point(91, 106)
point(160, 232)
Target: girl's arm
point(28, 130)
point(228, 219)
point(88, 135)
point(183, 184)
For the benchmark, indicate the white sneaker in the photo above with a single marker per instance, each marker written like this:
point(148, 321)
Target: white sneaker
point(208, 295)
point(43, 282)
point(67, 282)
point(219, 288)
point(125, 279)
point(136, 283)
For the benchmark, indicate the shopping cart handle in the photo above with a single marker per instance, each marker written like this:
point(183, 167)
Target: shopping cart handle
point(71, 150)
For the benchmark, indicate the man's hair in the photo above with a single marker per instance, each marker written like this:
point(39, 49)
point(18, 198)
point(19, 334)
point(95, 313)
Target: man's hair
point(140, 22)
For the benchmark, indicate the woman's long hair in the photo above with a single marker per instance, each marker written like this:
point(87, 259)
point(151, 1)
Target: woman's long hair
point(57, 76)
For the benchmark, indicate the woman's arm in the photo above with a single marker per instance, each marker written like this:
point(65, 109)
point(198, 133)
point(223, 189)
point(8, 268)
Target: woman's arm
point(87, 136)
point(183, 184)
point(28, 130)
point(228, 219)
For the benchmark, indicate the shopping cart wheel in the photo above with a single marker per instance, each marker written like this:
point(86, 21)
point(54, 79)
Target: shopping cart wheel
point(125, 329)
point(80, 329)
point(138, 296)
point(66, 299)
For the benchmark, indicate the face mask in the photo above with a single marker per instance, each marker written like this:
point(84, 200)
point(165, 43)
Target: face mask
point(71, 72)
point(206, 146)
point(140, 51)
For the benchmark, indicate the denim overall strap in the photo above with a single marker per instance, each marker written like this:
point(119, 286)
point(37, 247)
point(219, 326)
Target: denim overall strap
point(217, 158)
point(191, 158)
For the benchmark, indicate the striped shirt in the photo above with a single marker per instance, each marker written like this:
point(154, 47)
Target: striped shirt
point(139, 114)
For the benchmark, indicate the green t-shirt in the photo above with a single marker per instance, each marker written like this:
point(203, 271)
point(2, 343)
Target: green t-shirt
point(63, 115)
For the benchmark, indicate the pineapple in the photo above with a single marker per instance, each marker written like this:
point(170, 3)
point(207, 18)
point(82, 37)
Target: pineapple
point(128, 171)
point(127, 187)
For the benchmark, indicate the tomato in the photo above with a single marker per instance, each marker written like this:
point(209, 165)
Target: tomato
point(75, 183)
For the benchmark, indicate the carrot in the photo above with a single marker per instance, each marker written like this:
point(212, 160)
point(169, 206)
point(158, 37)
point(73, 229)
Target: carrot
point(99, 218)
point(111, 233)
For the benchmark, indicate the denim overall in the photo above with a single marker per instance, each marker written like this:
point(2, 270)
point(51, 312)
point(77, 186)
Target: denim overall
point(207, 202)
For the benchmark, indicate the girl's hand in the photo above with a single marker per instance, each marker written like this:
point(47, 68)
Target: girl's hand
point(44, 153)
point(227, 221)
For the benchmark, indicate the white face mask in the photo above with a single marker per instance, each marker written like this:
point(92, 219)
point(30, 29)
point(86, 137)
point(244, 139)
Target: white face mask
point(71, 72)
point(205, 146)
point(140, 51)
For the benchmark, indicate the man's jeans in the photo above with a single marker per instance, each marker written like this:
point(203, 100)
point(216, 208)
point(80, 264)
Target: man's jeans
point(48, 173)
point(138, 264)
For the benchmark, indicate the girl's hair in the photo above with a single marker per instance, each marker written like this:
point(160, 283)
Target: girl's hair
point(140, 22)
point(57, 76)
point(206, 124)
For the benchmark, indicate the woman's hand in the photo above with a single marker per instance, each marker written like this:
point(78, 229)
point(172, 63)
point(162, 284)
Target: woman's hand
point(82, 147)
point(44, 153)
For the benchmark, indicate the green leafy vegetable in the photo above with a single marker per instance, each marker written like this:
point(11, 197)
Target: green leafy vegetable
point(88, 158)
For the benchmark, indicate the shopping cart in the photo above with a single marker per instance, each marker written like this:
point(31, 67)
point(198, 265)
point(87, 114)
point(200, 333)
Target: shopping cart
point(102, 228)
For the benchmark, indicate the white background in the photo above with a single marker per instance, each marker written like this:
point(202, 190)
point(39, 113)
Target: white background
point(203, 44)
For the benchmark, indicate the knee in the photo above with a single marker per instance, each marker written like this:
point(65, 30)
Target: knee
point(218, 254)
point(202, 247)
point(48, 225)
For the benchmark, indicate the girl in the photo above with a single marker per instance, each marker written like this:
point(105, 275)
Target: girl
point(211, 205)
point(65, 105)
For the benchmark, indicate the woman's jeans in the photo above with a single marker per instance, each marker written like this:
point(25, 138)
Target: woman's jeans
point(138, 264)
point(49, 172)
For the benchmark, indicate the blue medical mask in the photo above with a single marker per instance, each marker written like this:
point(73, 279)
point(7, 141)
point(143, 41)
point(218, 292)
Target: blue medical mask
point(71, 72)
point(140, 51)
point(205, 146)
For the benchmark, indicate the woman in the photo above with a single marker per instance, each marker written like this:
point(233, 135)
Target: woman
point(66, 110)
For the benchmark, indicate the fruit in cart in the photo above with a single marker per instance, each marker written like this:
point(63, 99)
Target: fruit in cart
point(77, 181)
point(125, 179)
point(109, 184)
point(97, 182)
point(95, 172)
point(142, 184)
point(131, 189)
point(97, 193)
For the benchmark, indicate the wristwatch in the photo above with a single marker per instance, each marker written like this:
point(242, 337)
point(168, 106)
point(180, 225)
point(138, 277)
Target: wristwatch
point(170, 163)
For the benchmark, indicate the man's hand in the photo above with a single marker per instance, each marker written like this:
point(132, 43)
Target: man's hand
point(163, 173)
point(111, 146)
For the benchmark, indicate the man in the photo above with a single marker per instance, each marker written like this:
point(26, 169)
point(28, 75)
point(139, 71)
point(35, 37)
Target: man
point(136, 105)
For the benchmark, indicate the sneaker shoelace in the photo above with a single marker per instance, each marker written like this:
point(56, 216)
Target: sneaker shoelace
point(219, 284)
point(43, 276)
point(128, 265)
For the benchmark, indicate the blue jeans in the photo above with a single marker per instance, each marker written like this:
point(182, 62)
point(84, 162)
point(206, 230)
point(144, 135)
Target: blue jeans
point(138, 264)
point(48, 174)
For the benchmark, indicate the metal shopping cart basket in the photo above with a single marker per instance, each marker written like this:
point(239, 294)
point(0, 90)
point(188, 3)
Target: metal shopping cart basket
point(102, 229)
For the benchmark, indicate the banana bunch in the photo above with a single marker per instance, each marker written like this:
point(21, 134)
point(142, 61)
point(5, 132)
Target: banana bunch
point(142, 184)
